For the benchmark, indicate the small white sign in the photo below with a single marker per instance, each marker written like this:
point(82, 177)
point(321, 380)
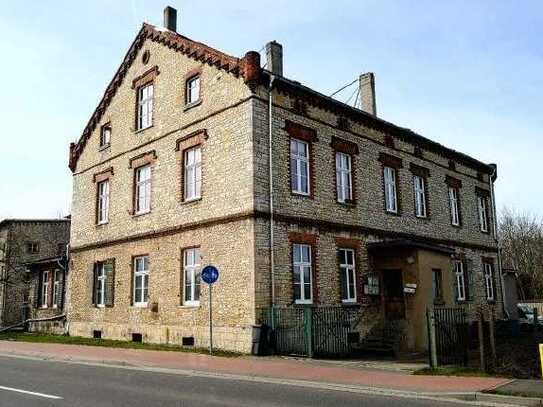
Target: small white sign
point(409, 290)
point(411, 285)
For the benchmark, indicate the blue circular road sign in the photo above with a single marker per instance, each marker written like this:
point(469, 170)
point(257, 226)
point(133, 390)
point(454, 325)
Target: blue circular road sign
point(210, 274)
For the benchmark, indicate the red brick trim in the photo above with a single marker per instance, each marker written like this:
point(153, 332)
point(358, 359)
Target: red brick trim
point(191, 140)
point(386, 163)
point(311, 169)
point(311, 240)
point(302, 238)
point(300, 132)
point(390, 161)
point(356, 245)
point(418, 170)
point(145, 78)
point(352, 201)
point(140, 160)
point(453, 182)
point(424, 173)
point(193, 73)
point(102, 175)
point(344, 146)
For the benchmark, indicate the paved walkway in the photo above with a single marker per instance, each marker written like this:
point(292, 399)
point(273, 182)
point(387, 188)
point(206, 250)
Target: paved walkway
point(277, 368)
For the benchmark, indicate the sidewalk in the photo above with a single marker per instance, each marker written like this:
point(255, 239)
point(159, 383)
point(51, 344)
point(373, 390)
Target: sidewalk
point(276, 368)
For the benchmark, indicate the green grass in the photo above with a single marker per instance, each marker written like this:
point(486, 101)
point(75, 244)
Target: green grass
point(451, 371)
point(78, 340)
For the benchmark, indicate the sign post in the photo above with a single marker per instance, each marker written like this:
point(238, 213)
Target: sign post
point(210, 274)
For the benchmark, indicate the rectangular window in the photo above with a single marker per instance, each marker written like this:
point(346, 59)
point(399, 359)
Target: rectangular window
point(105, 135)
point(193, 90)
point(143, 189)
point(145, 106)
point(101, 278)
point(419, 186)
point(437, 288)
point(56, 289)
point(489, 281)
point(299, 166)
point(193, 173)
point(454, 207)
point(344, 177)
point(32, 247)
point(301, 258)
point(347, 271)
point(141, 281)
point(372, 287)
point(44, 295)
point(103, 202)
point(191, 271)
point(483, 213)
point(391, 199)
point(460, 280)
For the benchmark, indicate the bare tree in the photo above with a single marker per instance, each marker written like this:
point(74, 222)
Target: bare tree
point(521, 236)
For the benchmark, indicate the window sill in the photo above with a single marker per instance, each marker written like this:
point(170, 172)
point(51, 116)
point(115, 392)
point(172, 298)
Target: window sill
point(347, 203)
point(439, 302)
point(298, 302)
point(140, 306)
point(102, 224)
point(137, 131)
point(391, 213)
point(349, 303)
point(138, 214)
point(422, 218)
point(191, 201)
point(189, 106)
point(300, 194)
point(104, 148)
point(189, 305)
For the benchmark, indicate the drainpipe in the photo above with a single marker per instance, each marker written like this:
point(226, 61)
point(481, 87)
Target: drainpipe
point(272, 224)
point(496, 237)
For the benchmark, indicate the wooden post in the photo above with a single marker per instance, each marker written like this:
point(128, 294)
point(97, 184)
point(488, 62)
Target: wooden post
point(430, 317)
point(480, 333)
point(308, 325)
point(492, 337)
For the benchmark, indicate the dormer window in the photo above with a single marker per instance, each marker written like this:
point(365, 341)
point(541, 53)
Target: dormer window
point(193, 90)
point(105, 136)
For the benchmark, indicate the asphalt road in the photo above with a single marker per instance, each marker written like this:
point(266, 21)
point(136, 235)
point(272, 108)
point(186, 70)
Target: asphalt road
point(79, 385)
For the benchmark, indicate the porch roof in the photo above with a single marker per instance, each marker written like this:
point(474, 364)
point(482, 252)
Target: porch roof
point(376, 247)
point(43, 262)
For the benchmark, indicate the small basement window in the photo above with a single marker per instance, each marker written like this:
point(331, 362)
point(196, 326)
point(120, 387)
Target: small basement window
point(137, 338)
point(97, 334)
point(187, 341)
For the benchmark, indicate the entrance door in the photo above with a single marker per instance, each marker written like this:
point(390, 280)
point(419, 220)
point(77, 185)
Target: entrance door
point(393, 293)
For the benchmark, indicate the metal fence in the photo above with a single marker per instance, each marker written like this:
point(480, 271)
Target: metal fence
point(448, 331)
point(312, 331)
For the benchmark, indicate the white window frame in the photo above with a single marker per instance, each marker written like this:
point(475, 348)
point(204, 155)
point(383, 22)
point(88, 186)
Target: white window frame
point(419, 187)
point(297, 162)
point(391, 194)
point(56, 287)
point(344, 177)
point(145, 106)
point(143, 190)
point(348, 272)
point(105, 136)
point(191, 276)
point(483, 213)
point(45, 289)
point(101, 278)
point(453, 204)
point(373, 286)
point(298, 266)
point(460, 280)
point(103, 202)
point(193, 86)
point(488, 271)
point(193, 173)
point(142, 274)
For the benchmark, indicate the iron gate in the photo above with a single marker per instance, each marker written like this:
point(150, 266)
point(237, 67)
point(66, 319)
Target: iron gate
point(313, 331)
point(451, 336)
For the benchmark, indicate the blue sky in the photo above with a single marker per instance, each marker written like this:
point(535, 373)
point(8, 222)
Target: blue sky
point(466, 74)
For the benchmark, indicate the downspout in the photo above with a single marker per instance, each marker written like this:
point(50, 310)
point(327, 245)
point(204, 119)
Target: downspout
point(272, 220)
point(496, 237)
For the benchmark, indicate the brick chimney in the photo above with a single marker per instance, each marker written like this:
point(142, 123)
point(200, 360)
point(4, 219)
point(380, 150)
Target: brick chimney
point(274, 58)
point(367, 93)
point(170, 18)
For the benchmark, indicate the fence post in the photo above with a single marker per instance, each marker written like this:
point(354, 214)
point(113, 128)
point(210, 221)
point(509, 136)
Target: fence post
point(430, 318)
point(308, 325)
point(491, 323)
point(480, 334)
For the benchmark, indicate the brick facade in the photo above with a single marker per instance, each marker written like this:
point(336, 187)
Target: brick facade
point(230, 223)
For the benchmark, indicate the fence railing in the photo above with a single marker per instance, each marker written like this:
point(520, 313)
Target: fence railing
point(448, 334)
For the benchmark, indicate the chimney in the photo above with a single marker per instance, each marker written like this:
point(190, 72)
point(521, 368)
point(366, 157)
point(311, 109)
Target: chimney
point(170, 18)
point(367, 93)
point(274, 58)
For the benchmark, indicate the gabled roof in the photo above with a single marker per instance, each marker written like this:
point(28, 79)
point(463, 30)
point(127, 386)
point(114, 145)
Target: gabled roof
point(177, 42)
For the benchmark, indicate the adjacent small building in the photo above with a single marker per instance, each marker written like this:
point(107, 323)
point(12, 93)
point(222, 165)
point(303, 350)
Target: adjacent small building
point(24, 242)
point(197, 157)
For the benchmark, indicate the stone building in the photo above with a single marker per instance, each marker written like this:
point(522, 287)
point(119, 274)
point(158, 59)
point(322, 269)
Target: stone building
point(23, 242)
point(172, 172)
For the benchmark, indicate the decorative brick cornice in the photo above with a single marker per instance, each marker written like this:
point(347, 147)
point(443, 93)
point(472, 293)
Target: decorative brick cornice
point(453, 182)
point(248, 67)
point(482, 192)
point(348, 243)
point(344, 146)
point(191, 140)
point(148, 157)
point(302, 238)
point(418, 170)
point(300, 132)
point(146, 77)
